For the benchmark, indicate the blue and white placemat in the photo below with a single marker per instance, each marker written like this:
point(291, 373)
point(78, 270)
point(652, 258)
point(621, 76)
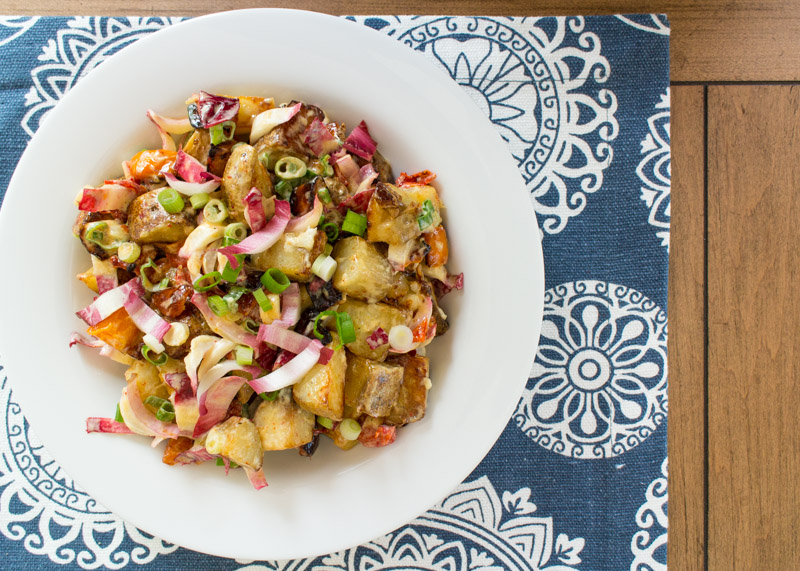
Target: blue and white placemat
point(578, 480)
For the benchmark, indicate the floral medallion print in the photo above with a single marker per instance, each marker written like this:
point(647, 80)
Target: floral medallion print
point(539, 81)
point(76, 50)
point(43, 508)
point(649, 544)
point(655, 169)
point(473, 529)
point(599, 384)
point(12, 27)
point(654, 23)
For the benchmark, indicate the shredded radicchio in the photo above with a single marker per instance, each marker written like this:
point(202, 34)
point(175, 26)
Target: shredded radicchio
point(360, 143)
point(216, 109)
point(377, 338)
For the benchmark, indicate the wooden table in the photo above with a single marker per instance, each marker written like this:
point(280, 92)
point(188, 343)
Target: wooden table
point(734, 349)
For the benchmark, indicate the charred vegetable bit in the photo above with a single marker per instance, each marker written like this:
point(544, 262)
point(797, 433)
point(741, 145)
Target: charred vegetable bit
point(265, 283)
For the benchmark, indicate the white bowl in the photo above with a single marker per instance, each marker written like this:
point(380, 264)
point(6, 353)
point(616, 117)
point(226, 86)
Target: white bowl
point(421, 120)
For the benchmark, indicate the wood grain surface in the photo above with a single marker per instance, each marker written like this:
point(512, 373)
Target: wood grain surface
point(734, 352)
point(753, 343)
point(732, 40)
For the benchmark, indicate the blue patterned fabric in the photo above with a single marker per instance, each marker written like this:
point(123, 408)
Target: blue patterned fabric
point(578, 480)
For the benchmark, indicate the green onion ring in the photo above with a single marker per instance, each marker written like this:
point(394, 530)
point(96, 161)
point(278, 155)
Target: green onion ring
point(162, 357)
point(275, 280)
point(215, 278)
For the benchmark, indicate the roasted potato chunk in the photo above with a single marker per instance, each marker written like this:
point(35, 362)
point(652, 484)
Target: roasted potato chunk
point(243, 172)
point(236, 439)
point(148, 382)
point(393, 212)
point(367, 317)
point(293, 254)
point(362, 272)
point(412, 398)
point(321, 391)
point(148, 222)
point(379, 385)
point(282, 424)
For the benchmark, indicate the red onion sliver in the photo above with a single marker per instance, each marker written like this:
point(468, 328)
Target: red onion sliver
point(77, 338)
point(109, 302)
point(195, 455)
point(319, 138)
point(170, 125)
point(364, 179)
point(254, 211)
point(200, 238)
point(191, 170)
point(182, 385)
point(377, 338)
point(291, 372)
point(284, 338)
point(308, 220)
point(147, 320)
point(190, 188)
point(360, 143)
point(105, 274)
point(215, 402)
point(267, 120)
point(256, 477)
point(222, 326)
point(147, 418)
point(290, 307)
point(264, 238)
point(216, 109)
point(107, 425)
point(167, 142)
point(346, 168)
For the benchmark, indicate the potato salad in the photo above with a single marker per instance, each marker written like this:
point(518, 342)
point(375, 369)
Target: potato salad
point(266, 280)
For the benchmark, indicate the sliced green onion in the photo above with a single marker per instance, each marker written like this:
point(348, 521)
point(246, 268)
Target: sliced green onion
point(165, 410)
point(269, 396)
point(154, 401)
point(231, 463)
point(162, 357)
point(345, 327)
point(222, 132)
point(129, 252)
point(118, 415)
point(324, 195)
point(244, 355)
point(426, 218)
point(229, 274)
point(327, 168)
point(199, 200)
point(229, 241)
point(236, 292)
point(207, 281)
point(325, 422)
point(215, 211)
point(324, 267)
point(236, 230)
point(261, 298)
point(218, 305)
point(274, 280)
point(263, 158)
point(354, 223)
point(289, 168)
point(331, 230)
point(146, 283)
point(349, 429)
point(170, 200)
point(327, 250)
point(327, 313)
point(107, 236)
point(96, 232)
point(283, 189)
point(251, 326)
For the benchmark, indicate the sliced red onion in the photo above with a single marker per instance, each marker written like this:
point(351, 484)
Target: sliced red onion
point(109, 302)
point(254, 212)
point(216, 109)
point(291, 372)
point(282, 358)
point(360, 143)
point(215, 402)
point(147, 320)
point(320, 139)
point(106, 197)
point(377, 338)
point(105, 274)
point(215, 373)
point(199, 347)
point(284, 338)
point(357, 202)
point(107, 425)
point(448, 284)
point(170, 125)
point(364, 179)
point(167, 142)
point(222, 326)
point(344, 165)
point(256, 477)
point(190, 188)
point(290, 307)
point(307, 220)
point(195, 455)
point(200, 238)
point(77, 338)
point(263, 239)
point(182, 385)
point(266, 121)
point(145, 417)
point(191, 170)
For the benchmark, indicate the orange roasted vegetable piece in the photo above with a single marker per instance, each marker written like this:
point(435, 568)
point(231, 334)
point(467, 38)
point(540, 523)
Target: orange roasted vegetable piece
point(437, 240)
point(119, 331)
point(149, 164)
point(174, 448)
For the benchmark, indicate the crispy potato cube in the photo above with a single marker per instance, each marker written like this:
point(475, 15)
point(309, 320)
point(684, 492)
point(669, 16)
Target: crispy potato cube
point(361, 271)
point(243, 172)
point(293, 254)
point(198, 145)
point(236, 439)
point(393, 212)
point(283, 424)
point(379, 385)
point(367, 317)
point(148, 382)
point(321, 391)
point(119, 331)
point(412, 399)
point(148, 222)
